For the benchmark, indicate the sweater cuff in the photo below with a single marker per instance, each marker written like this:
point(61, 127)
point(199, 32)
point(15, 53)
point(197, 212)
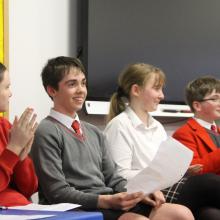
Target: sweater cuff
point(9, 159)
point(90, 202)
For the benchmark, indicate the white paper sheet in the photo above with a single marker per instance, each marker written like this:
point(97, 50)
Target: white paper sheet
point(169, 166)
point(23, 217)
point(55, 207)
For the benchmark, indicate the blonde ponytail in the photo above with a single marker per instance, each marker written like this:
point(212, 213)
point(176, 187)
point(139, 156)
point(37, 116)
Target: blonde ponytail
point(117, 105)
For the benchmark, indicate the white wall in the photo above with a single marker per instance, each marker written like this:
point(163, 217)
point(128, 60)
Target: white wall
point(38, 30)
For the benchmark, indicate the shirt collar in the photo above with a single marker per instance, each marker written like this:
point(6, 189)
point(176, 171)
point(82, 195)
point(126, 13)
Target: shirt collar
point(204, 124)
point(136, 121)
point(64, 119)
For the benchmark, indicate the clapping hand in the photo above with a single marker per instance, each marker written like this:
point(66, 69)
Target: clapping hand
point(22, 133)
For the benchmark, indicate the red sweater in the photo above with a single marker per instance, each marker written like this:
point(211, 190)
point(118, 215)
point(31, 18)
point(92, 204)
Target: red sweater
point(18, 180)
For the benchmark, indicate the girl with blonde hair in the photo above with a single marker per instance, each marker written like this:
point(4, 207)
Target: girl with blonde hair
point(134, 137)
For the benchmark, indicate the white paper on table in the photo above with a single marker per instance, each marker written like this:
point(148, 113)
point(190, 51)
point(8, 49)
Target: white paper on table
point(55, 207)
point(168, 166)
point(23, 217)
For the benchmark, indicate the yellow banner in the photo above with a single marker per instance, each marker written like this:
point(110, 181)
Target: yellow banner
point(1, 32)
point(1, 35)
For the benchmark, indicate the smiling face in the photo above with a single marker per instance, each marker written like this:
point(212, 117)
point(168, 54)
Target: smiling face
point(5, 92)
point(151, 94)
point(71, 93)
point(146, 98)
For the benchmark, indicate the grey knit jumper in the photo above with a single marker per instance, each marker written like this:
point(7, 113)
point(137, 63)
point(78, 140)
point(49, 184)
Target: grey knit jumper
point(73, 170)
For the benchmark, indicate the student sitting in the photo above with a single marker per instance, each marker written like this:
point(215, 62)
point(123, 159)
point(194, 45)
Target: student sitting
point(72, 160)
point(200, 133)
point(134, 137)
point(17, 176)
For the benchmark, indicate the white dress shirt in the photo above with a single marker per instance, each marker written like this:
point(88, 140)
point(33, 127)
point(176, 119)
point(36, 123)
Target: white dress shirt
point(64, 119)
point(132, 144)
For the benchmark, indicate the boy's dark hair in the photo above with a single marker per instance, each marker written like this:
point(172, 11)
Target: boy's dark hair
point(2, 70)
point(56, 68)
point(197, 89)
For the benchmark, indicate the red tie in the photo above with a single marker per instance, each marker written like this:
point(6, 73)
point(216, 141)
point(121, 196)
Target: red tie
point(76, 127)
point(214, 128)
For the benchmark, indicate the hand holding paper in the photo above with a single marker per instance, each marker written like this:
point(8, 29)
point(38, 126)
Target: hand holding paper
point(169, 166)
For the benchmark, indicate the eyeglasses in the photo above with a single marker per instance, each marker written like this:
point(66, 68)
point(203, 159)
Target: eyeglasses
point(215, 100)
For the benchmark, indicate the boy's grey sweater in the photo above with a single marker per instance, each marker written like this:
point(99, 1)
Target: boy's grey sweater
point(73, 170)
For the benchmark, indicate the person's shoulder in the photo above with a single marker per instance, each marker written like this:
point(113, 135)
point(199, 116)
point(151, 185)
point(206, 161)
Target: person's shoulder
point(122, 117)
point(46, 121)
point(46, 125)
point(90, 127)
point(4, 123)
point(92, 132)
point(185, 128)
point(4, 120)
point(120, 120)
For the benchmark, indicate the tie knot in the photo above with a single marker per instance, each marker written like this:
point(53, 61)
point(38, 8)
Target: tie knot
point(76, 127)
point(214, 128)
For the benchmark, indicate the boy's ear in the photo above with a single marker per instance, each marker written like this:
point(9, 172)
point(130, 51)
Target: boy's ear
point(196, 106)
point(135, 90)
point(51, 91)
